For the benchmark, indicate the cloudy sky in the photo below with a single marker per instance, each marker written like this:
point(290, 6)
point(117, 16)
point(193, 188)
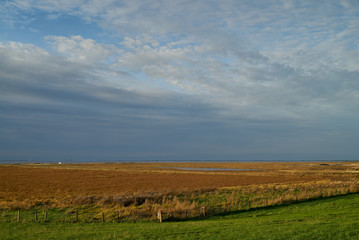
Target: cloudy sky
point(107, 80)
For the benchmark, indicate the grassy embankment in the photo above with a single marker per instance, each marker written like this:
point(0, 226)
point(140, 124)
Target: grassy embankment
point(326, 218)
point(181, 204)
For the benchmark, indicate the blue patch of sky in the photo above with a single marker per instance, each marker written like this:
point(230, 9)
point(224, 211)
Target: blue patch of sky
point(38, 24)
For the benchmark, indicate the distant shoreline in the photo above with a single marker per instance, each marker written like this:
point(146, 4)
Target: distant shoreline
point(161, 161)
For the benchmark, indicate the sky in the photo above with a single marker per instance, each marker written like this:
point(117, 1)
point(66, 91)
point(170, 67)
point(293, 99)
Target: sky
point(110, 80)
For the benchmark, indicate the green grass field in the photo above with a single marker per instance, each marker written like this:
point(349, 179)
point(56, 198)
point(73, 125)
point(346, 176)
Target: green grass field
point(330, 218)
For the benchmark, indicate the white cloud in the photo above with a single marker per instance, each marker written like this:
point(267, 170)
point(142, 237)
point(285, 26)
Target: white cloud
point(24, 51)
point(49, 5)
point(81, 50)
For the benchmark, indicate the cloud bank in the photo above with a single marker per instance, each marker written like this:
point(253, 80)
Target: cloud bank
point(180, 80)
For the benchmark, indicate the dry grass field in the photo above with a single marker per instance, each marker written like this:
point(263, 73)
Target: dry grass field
point(54, 185)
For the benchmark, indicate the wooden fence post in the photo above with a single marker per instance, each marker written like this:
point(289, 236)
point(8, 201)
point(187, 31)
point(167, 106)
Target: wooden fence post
point(45, 215)
point(159, 215)
point(103, 217)
point(204, 211)
point(18, 215)
point(186, 213)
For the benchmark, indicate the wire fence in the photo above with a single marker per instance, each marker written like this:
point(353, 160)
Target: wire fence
point(76, 215)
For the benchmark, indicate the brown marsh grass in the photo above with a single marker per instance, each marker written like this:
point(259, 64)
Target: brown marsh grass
point(146, 187)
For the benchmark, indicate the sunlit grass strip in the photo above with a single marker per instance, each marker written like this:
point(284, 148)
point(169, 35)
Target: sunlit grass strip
point(326, 218)
point(183, 205)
